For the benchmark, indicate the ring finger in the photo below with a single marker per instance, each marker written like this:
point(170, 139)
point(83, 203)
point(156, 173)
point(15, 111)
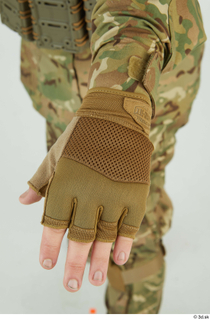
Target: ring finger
point(99, 262)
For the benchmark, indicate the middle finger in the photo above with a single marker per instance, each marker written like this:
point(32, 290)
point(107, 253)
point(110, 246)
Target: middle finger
point(77, 255)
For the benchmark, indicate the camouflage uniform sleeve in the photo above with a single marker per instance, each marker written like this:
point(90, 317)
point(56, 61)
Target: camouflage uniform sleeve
point(134, 41)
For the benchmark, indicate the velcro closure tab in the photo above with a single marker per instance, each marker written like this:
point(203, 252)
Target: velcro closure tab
point(136, 68)
point(140, 111)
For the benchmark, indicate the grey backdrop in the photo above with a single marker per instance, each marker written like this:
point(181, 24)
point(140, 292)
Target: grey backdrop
point(27, 288)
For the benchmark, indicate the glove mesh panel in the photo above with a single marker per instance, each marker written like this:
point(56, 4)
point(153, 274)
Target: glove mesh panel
point(115, 151)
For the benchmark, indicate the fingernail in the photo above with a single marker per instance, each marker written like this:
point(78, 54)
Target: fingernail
point(73, 284)
point(24, 194)
point(98, 276)
point(121, 256)
point(47, 263)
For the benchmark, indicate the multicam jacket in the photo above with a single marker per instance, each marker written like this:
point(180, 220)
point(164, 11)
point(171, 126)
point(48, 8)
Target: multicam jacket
point(134, 41)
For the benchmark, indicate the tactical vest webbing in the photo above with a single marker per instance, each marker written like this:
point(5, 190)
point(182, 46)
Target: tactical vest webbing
point(53, 24)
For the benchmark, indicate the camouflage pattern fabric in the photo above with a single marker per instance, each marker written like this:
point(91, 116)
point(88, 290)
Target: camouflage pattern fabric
point(171, 35)
point(160, 34)
point(56, 82)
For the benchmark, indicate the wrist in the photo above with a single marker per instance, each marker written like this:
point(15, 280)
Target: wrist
point(132, 110)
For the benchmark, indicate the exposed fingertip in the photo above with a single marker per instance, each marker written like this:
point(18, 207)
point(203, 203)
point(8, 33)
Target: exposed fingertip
point(47, 263)
point(121, 256)
point(29, 197)
point(73, 284)
point(23, 195)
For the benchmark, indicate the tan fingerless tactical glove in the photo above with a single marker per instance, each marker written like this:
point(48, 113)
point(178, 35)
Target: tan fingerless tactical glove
point(96, 177)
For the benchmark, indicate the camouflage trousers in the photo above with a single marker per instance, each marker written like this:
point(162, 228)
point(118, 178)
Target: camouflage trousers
point(56, 82)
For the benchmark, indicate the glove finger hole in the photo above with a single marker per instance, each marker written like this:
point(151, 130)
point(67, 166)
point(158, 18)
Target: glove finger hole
point(57, 207)
point(80, 234)
point(106, 231)
point(85, 234)
point(127, 231)
point(54, 223)
point(124, 229)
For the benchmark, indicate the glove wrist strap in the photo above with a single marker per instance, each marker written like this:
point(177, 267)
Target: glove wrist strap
point(128, 109)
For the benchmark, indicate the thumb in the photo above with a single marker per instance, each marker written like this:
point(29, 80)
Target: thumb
point(29, 197)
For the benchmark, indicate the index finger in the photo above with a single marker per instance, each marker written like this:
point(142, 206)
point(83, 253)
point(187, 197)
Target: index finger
point(50, 246)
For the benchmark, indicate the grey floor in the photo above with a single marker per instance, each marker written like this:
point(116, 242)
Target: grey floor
point(27, 288)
